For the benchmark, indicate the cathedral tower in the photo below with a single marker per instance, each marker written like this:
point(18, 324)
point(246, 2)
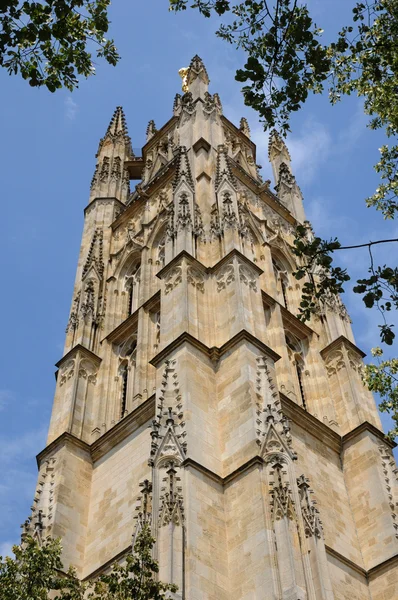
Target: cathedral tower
point(189, 394)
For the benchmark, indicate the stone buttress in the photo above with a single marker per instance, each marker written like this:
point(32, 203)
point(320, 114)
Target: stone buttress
point(190, 396)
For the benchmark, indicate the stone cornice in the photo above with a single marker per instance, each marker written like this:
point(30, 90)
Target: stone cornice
point(79, 348)
point(323, 432)
point(238, 254)
point(369, 574)
point(62, 440)
point(184, 254)
point(155, 139)
point(139, 416)
point(176, 260)
point(132, 320)
point(290, 320)
point(246, 140)
point(105, 566)
point(382, 567)
point(372, 573)
point(160, 176)
point(103, 200)
point(128, 213)
point(337, 343)
point(299, 416)
point(253, 462)
point(120, 332)
point(346, 561)
point(363, 427)
point(263, 191)
point(214, 353)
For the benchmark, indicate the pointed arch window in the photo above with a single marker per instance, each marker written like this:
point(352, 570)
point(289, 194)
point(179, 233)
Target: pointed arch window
point(127, 354)
point(132, 285)
point(296, 356)
point(282, 280)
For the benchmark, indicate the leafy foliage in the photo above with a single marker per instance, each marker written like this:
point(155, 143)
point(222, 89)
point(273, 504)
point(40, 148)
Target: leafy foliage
point(383, 379)
point(37, 570)
point(285, 59)
point(48, 43)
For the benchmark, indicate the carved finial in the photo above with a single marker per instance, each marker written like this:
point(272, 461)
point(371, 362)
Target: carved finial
point(244, 127)
point(183, 169)
point(223, 168)
point(150, 130)
point(170, 418)
point(278, 154)
point(195, 78)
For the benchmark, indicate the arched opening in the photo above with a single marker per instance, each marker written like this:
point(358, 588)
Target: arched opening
point(132, 280)
point(282, 279)
point(296, 356)
point(127, 354)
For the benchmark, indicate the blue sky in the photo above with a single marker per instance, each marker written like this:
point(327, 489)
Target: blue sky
point(47, 160)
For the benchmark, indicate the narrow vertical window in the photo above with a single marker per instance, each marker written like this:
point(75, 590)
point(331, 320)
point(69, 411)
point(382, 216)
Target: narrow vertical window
point(124, 392)
point(281, 280)
point(283, 287)
point(300, 382)
point(131, 298)
point(296, 355)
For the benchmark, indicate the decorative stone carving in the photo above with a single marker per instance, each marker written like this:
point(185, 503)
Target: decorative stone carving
point(116, 169)
point(334, 362)
point(173, 278)
point(247, 276)
point(171, 500)
point(95, 255)
point(88, 371)
point(334, 303)
point(244, 127)
point(66, 372)
point(225, 276)
point(390, 472)
point(196, 279)
point(168, 427)
point(40, 521)
point(73, 322)
point(229, 218)
point(198, 228)
point(150, 130)
point(211, 104)
point(88, 306)
point(143, 509)
point(282, 504)
point(215, 228)
point(184, 220)
point(312, 522)
point(104, 174)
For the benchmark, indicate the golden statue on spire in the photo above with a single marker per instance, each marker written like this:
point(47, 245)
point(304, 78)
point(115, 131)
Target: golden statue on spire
point(183, 73)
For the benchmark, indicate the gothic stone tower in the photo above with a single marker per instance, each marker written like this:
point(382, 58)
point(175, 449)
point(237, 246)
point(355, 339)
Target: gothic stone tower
point(189, 394)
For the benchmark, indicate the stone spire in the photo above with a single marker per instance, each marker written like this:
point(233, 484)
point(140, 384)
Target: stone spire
point(117, 131)
point(110, 177)
point(197, 80)
point(286, 186)
point(278, 153)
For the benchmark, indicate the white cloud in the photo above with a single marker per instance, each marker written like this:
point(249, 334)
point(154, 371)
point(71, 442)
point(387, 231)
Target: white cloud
point(351, 134)
point(71, 108)
point(309, 148)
